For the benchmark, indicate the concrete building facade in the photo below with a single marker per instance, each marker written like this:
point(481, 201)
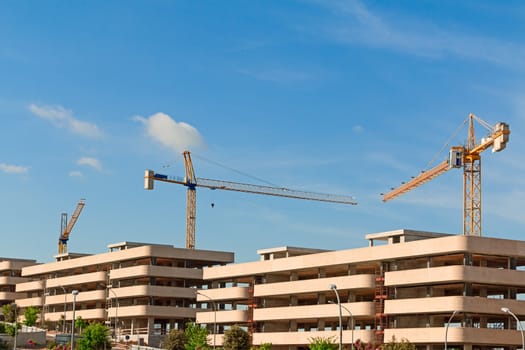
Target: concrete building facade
point(10, 275)
point(140, 290)
point(425, 287)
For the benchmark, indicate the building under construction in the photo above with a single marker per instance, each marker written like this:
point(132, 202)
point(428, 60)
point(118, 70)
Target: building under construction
point(425, 287)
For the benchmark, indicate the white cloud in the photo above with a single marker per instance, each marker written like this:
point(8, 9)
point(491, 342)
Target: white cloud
point(75, 173)
point(177, 136)
point(13, 169)
point(63, 118)
point(358, 129)
point(92, 162)
point(359, 25)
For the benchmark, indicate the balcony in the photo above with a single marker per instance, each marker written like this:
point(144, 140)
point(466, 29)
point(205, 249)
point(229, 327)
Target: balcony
point(221, 294)
point(76, 280)
point(455, 273)
point(30, 286)
point(449, 304)
point(456, 335)
point(314, 285)
point(223, 316)
point(155, 271)
point(303, 338)
point(309, 311)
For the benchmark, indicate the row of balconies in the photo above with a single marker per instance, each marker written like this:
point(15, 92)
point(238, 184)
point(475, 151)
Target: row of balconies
point(436, 305)
point(427, 276)
point(101, 277)
point(135, 311)
point(430, 335)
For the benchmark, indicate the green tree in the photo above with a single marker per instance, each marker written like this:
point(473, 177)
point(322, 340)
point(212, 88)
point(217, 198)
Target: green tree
point(263, 346)
point(321, 343)
point(10, 329)
point(196, 337)
point(31, 315)
point(95, 337)
point(236, 338)
point(175, 340)
point(80, 323)
point(9, 311)
point(393, 344)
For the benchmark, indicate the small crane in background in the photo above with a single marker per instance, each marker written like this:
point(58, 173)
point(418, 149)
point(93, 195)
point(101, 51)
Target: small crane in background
point(469, 158)
point(191, 182)
point(66, 227)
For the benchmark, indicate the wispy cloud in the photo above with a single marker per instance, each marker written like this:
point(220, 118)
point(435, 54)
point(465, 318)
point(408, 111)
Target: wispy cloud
point(13, 169)
point(63, 118)
point(276, 75)
point(91, 162)
point(358, 129)
point(176, 136)
point(359, 25)
point(75, 173)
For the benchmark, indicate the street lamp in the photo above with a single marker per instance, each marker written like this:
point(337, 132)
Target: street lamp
point(75, 293)
point(507, 311)
point(351, 319)
point(446, 328)
point(117, 332)
point(16, 325)
point(65, 308)
point(214, 315)
point(334, 288)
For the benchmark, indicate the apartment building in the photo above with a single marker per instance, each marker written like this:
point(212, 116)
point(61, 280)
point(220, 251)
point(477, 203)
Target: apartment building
point(10, 275)
point(140, 290)
point(428, 288)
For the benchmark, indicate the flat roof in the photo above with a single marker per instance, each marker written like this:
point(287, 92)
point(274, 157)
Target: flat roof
point(404, 232)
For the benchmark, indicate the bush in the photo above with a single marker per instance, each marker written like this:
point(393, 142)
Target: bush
point(320, 343)
point(175, 340)
point(236, 338)
point(393, 344)
point(263, 346)
point(95, 337)
point(196, 337)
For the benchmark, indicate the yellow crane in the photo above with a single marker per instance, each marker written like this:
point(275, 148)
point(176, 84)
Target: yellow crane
point(66, 227)
point(468, 157)
point(191, 182)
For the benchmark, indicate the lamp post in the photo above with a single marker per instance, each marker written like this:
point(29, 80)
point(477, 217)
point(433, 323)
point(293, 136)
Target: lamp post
point(446, 328)
point(75, 293)
point(65, 307)
point(214, 315)
point(351, 320)
point(117, 332)
point(334, 288)
point(16, 325)
point(507, 311)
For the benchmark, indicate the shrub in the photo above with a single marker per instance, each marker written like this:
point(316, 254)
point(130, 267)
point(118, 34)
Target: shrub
point(175, 340)
point(321, 343)
point(236, 338)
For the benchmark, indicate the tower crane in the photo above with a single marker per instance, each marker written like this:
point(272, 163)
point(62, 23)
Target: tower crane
point(66, 227)
point(191, 182)
point(469, 158)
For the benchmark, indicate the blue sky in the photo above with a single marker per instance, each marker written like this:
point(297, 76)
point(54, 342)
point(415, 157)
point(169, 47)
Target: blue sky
point(345, 97)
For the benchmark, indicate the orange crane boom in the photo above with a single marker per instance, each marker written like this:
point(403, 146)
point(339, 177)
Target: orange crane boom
point(192, 182)
point(468, 157)
point(67, 227)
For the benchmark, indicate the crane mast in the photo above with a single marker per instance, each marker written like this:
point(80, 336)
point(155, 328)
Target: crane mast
point(67, 227)
point(469, 158)
point(191, 182)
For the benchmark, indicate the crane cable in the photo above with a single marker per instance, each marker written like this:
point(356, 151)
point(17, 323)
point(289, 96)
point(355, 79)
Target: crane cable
point(446, 145)
point(234, 170)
